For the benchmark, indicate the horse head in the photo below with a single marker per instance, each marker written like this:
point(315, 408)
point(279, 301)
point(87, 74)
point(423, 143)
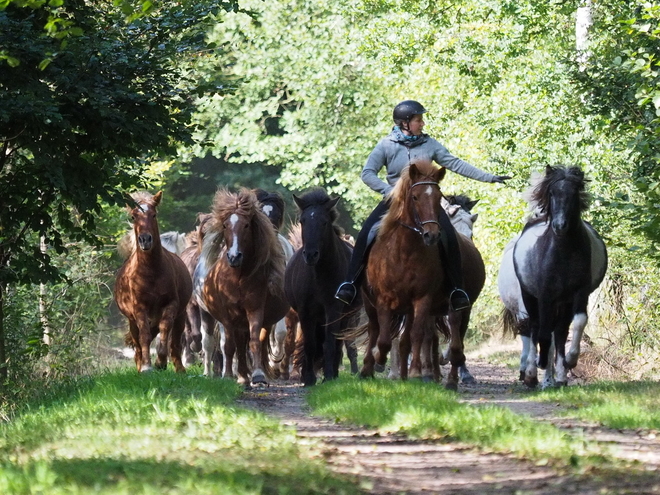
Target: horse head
point(272, 204)
point(317, 217)
point(561, 197)
point(143, 215)
point(246, 231)
point(419, 194)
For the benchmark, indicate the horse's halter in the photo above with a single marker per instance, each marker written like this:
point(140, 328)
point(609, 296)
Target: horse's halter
point(418, 222)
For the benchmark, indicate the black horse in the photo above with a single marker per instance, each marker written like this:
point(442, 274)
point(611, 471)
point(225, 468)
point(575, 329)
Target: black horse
point(559, 260)
point(311, 279)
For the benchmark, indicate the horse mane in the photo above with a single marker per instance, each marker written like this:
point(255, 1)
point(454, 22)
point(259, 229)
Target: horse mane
point(398, 196)
point(295, 236)
point(318, 197)
point(538, 194)
point(268, 251)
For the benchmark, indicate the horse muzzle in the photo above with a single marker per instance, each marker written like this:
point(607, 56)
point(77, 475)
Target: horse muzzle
point(235, 260)
point(311, 257)
point(145, 241)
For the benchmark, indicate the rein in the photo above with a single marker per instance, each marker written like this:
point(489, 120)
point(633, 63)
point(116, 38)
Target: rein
point(420, 223)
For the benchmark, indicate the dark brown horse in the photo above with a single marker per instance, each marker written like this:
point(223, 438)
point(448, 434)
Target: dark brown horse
point(152, 289)
point(243, 287)
point(406, 279)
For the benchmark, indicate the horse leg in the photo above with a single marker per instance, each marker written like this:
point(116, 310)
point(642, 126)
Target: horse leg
point(373, 330)
point(457, 322)
point(579, 323)
point(526, 343)
point(351, 351)
point(463, 372)
point(144, 338)
point(531, 372)
point(310, 345)
point(134, 332)
point(241, 337)
point(291, 321)
point(208, 341)
point(395, 372)
point(427, 354)
point(405, 347)
point(435, 357)
point(560, 335)
point(175, 342)
point(384, 341)
point(549, 375)
point(331, 344)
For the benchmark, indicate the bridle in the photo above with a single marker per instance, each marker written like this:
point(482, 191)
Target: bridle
point(418, 222)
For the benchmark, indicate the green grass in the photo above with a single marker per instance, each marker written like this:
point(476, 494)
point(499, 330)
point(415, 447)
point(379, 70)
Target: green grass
point(124, 433)
point(427, 411)
point(618, 405)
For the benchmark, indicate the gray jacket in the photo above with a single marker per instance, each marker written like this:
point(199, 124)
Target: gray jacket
point(394, 153)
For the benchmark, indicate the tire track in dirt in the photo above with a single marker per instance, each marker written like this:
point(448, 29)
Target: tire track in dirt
point(393, 464)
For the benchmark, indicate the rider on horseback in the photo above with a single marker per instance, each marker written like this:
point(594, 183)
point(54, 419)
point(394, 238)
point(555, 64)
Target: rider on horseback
point(394, 152)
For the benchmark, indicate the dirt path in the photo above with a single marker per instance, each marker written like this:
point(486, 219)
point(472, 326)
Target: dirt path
point(389, 464)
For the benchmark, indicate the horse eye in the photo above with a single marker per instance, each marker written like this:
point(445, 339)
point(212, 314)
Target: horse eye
point(414, 198)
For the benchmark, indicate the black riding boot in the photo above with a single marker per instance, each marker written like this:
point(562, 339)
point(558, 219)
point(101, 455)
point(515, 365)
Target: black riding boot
point(348, 289)
point(450, 257)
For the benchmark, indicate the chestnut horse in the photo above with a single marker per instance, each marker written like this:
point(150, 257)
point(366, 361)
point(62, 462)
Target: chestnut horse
point(405, 278)
point(242, 267)
point(152, 289)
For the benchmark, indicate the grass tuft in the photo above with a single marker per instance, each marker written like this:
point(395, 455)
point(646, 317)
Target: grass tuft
point(125, 433)
point(427, 411)
point(619, 405)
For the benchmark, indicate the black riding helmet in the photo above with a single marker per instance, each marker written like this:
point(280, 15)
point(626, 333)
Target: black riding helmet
point(405, 110)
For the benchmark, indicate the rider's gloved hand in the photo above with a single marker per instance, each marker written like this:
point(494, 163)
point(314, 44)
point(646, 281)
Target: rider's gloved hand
point(500, 178)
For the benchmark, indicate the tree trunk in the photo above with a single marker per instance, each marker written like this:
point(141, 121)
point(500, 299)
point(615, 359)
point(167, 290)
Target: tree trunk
point(3, 356)
point(582, 24)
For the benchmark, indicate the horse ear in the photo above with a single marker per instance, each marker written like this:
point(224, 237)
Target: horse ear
point(474, 217)
point(452, 210)
point(298, 202)
point(157, 197)
point(441, 173)
point(548, 169)
point(333, 202)
point(471, 204)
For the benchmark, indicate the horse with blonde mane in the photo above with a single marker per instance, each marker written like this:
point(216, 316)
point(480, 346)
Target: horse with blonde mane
point(405, 279)
point(152, 289)
point(242, 268)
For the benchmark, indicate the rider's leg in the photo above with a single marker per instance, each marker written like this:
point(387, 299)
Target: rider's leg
point(450, 256)
point(348, 289)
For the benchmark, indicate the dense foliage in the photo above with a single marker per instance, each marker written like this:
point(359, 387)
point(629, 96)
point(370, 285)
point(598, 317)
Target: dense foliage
point(291, 94)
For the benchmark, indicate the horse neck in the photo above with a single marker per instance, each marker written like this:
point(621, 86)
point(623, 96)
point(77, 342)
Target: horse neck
point(153, 257)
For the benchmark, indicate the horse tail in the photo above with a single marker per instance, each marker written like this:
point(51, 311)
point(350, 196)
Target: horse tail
point(442, 328)
point(128, 340)
point(512, 326)
point(266, 351)
point(126, 245)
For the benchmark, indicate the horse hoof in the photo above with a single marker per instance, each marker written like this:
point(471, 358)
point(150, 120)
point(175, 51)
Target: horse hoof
point(379, 368)
point(561, 384)
point(453, 386)
point(531, 382)
point(521, 378)
point(146, 369)
point(468, 380)
point(427, 379)
point(365, 375)
point(259, 380)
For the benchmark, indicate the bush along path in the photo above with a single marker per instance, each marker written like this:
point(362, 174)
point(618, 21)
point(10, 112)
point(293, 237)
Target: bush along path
point(491, 437)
